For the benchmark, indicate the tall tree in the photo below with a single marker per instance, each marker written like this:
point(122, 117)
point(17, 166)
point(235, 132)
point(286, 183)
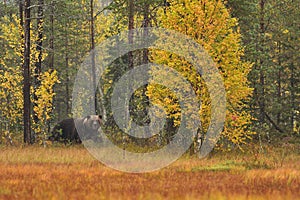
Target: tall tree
point(26, 74)
point(39, 49)
point(209, 23)
point(92, 33)
point(51, 40)
point(131, 8)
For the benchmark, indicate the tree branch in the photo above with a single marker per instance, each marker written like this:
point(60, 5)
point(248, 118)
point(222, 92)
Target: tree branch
point(273, 123)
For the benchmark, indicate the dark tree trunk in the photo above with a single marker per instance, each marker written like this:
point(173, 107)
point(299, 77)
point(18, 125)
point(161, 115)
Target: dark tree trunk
point(130, 27)
point(67, 77)
point(279, 84)
point(261, 94)
point(26, 75)
point(51, 41)
point(94, 86)
point(146, 24)
point(38, 64)
point(21, 14)
point(67, 69)
point(130, 64)
point(293, 96)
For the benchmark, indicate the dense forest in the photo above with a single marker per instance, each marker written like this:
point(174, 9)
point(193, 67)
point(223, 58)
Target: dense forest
point(254, 43)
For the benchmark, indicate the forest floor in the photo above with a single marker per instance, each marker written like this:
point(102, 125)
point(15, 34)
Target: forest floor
point(72, 173)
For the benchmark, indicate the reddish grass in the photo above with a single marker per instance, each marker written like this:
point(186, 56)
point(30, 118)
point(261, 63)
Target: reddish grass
point(78, 176)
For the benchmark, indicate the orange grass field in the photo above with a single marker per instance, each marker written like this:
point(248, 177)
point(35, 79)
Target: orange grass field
point(72, 173)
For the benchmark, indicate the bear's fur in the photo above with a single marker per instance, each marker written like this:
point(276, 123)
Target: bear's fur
point(65, 131)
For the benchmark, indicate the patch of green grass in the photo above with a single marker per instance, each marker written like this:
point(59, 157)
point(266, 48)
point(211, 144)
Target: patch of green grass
point(224, 166)
point(4, 191)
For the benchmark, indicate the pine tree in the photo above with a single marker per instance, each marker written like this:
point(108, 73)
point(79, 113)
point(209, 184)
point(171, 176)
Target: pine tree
point(269, 30)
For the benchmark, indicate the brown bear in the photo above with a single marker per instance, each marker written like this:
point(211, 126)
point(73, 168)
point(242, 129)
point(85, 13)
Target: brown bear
point(66, 130)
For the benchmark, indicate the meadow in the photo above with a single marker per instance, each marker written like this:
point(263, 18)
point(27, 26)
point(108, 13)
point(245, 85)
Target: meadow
point(72, 173)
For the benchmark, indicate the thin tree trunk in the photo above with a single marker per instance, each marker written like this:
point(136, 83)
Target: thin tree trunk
point(38, 64)
point(130, 4)
point(95, 104)
point(67, 83)
point(94, 86)
point(279, 84)
point(21, 16)
point(51, 45)
point(67, 69)
point(261, 63)
point(293, 96)
point(130, 27)
point(26, 75)
point(261, 60)
point(146, 105)
point(146, 24)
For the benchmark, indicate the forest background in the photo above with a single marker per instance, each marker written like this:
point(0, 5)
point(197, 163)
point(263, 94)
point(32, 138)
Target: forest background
point(255, 44)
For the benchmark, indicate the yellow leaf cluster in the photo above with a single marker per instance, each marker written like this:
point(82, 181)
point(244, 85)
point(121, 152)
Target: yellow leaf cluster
point(44, 97)
point(209, 23)
point(11, 95)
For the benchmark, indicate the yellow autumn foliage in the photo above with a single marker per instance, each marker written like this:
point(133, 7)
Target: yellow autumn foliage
point(45, 94)
point(11, 94)
point(11, 77)
point(209, 23)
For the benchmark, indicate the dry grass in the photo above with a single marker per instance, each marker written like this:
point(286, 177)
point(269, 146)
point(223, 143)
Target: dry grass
point(71, 173)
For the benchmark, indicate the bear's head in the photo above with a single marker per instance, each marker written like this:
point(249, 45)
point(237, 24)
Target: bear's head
point(92, 122)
